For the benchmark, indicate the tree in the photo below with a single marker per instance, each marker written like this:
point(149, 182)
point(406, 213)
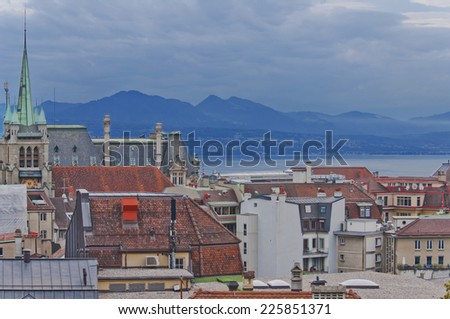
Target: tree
point(447, 287)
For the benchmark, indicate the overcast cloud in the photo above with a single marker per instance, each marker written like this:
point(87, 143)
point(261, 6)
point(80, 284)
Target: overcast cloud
point(381, 56)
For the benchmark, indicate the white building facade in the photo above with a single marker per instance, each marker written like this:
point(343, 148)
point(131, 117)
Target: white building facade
point(277, 231)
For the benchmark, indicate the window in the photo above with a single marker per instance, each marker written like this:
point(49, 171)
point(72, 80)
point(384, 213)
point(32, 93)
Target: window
point(341, 257)
point(342, 241)
point(245, 248)
point(429, 244)
point(429, 260)
point(323, 209)
point(378, 258)
point(321, 224)
point(245, 229)
point(385, 200)
point(36, 157)
point(306, 225)
point(313, 224)
point(307, 208)
point(305, 244)
point(43, 217)
point(180, 179)
point(29, 156)
point(417, 260)
point(403, 201)
point(43, 234)
point(321, 243)
point(255, 204)
point(56, 160)
point(1, 251)
point(56, 149)
point(179, 263)
point(93, 160)
point(378, 242)
point(314, 243)
point(22, 157)
point(418, 201)
point(364, 212)
point(245, 266)
point(417, 244)
point(440, 260)
point(441, 243)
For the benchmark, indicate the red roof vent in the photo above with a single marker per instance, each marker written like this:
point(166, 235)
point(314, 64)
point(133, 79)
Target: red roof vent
point(129, 209)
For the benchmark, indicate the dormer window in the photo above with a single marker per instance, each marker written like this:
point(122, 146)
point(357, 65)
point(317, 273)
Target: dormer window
point(56, 149)
point(74, 148)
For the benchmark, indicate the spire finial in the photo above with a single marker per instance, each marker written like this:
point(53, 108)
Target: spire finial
point(25, 28)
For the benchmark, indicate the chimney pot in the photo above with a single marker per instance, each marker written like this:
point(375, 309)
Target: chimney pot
point(27, 256)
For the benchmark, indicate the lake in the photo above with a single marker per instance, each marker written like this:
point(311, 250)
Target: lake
point(390, 165)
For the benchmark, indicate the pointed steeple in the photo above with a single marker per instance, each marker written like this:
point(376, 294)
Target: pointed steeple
point(40, 116)
point(14, 116)
point(25, 107)
point(7, 118)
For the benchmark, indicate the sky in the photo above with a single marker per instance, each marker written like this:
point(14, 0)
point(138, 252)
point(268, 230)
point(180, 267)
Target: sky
point(380, 56)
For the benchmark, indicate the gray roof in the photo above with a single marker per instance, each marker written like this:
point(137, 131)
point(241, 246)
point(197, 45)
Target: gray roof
point(312, 200)
point(144, 273)
point(57, 278)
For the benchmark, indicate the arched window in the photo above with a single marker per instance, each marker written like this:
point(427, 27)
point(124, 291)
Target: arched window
point(36, 157)
point(22, 157)
point(28, 157)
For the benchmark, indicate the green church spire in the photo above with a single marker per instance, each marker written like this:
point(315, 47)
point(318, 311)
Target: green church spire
point(25, 107)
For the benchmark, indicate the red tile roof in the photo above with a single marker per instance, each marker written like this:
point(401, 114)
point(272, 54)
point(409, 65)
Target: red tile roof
point(214, 195)
point(426, 227)
point(215, 250)
point(265, 294)
point(109, 179)
point(41, 194)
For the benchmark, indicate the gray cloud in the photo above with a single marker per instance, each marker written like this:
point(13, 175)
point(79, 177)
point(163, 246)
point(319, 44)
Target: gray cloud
point(329, 56)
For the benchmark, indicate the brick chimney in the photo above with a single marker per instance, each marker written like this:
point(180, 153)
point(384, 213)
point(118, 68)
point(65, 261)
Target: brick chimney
point(296, 278)
point(247, 283)
point(18, 243)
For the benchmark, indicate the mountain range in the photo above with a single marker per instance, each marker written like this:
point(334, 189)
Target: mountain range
point(220, 118)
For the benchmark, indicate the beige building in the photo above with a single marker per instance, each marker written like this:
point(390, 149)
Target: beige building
point(424, 243)
point(359, 246)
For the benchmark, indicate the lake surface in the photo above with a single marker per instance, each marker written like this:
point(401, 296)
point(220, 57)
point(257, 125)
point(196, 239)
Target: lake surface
point(390, 165)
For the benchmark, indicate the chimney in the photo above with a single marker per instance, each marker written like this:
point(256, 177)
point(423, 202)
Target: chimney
point(84, 276)
point(106, 137)
point(308, 172)
point(233, 286)
point(247, 283)
point(18, 243)
point(299, 175)
point(27, 256)
point(338, 193)
point(130, 210)
point(441, 176)
point(158, 155)
point(296, 278)
point(321, 193)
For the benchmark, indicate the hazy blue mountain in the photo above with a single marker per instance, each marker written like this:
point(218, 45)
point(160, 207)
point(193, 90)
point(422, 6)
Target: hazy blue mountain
point(442, 117)
point(239, 112)
point(237, 118)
